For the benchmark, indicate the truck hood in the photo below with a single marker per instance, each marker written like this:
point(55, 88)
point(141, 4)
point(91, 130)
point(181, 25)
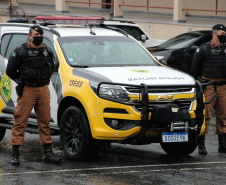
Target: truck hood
point(150, 75)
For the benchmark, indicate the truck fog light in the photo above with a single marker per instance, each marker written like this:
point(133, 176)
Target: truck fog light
point(114, 123)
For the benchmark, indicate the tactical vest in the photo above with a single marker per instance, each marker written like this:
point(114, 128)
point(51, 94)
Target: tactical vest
point(36, 64)
point(215, 64)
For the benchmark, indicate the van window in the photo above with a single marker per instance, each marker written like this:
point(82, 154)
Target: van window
point(48, 44)
point(4, 43)
point(16, 40)
point(133, 31)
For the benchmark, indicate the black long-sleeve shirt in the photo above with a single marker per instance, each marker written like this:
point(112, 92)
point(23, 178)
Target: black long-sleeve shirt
point(197, 62)
point(13, 66)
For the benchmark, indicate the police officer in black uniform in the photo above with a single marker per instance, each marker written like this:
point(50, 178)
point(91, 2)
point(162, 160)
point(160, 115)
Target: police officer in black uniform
point(209, 63)
point(31, 66)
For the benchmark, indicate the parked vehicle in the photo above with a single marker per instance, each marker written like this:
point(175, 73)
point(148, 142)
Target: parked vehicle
point(136, 31)
point(107, 88)
point(178, 51)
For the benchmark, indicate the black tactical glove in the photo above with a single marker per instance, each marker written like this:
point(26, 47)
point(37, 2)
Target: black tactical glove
point(202, 80)
point(19, 88)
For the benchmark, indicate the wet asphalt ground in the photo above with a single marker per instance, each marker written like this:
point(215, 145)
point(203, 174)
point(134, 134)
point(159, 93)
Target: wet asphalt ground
point(120, 164)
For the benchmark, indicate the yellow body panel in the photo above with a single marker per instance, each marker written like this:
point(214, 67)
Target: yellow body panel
point(83, 93)
point(2, 105)
point(101, 131)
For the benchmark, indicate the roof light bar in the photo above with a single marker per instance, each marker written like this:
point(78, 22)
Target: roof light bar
point(70, 20)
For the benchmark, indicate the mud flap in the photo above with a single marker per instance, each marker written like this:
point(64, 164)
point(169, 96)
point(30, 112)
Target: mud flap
point(203, 128)
point(200, 108)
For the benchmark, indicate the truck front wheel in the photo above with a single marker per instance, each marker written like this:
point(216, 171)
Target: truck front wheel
point(75, 135)
point(2, 133)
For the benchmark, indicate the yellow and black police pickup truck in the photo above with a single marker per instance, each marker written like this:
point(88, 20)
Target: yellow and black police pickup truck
point(107, 88)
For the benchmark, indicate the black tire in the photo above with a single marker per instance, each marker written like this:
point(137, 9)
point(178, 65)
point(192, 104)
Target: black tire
point(75, 135)
point(180, 149)
point(2, 133)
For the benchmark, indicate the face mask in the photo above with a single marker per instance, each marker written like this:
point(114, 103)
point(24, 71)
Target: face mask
point(37, 40)
point(221, 38)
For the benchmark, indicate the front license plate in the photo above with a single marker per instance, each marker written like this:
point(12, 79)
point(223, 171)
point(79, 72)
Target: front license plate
point(171, 137)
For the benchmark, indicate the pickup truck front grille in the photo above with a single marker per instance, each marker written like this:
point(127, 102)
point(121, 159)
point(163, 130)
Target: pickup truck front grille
point(159, 90)
point(183, 104)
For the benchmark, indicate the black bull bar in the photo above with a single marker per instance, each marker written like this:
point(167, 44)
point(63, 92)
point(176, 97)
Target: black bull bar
point(144, 103)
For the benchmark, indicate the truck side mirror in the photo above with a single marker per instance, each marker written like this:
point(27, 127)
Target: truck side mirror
point(161, 59)
point(143, 38)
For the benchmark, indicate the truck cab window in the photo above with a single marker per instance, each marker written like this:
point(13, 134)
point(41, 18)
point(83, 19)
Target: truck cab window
point(16, 40)
point(4, 43)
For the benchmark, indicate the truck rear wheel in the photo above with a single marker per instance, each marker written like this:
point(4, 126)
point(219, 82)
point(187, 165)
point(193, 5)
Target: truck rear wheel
point(75, 135)
point(179, 149)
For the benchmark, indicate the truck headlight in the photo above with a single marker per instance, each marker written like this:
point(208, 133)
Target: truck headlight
point(111, 92)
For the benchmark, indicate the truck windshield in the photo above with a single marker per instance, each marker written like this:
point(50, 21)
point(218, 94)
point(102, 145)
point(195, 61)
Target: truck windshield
point(104, 51)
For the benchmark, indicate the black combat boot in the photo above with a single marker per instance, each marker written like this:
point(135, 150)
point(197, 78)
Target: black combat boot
point(222, 143)
point(201, 146)
point(15, 155)
point(49, 156)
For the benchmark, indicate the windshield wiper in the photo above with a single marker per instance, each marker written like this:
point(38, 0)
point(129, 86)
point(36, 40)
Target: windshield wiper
point(123, 65)
point(81, 66)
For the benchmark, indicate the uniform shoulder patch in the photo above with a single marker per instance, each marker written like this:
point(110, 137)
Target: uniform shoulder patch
point(14, 54)
point(6, 87)
point(197, 50)
point(45, 53)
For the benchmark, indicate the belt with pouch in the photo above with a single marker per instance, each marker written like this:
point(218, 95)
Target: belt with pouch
point(36, 83)
point(220, 83)
point(202, 80)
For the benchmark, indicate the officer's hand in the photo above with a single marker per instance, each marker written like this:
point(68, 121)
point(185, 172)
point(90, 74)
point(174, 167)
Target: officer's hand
point(19, 89)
